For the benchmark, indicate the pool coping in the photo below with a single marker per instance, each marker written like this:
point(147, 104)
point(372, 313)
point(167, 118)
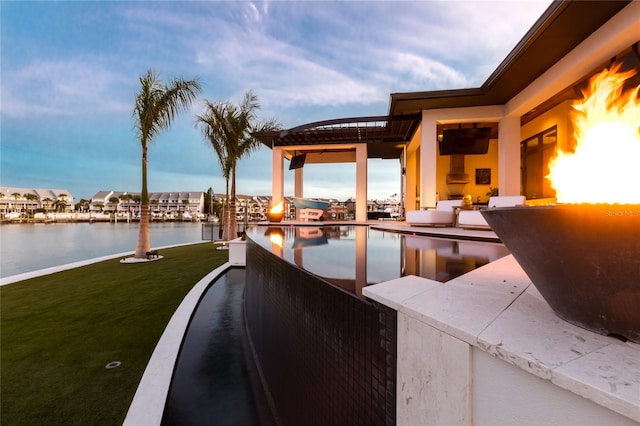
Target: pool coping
point(484, 235)
point(496, 309)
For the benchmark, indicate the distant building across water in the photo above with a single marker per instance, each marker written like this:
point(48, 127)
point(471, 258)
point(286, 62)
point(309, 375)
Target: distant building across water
point(30, 200)
point(26, 202)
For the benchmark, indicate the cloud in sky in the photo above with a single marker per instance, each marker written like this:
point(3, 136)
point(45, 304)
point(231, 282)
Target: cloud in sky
point(70, 73)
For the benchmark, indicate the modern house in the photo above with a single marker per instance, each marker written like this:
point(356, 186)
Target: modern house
point(524, 105)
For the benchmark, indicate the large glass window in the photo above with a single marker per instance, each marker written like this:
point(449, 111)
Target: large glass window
point(534, 160)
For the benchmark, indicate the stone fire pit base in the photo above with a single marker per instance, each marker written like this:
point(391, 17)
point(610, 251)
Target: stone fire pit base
point(584, 260)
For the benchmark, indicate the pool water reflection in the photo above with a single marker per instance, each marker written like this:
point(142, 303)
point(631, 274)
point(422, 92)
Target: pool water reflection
point(352, 256)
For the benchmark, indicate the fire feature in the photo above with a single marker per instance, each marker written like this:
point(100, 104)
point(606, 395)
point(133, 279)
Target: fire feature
point(276, 213)
point(604, 166)
point(583, 255)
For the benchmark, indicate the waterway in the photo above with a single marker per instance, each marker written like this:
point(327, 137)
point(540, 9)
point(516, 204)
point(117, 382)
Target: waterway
point(30, 247)
point(214, 382)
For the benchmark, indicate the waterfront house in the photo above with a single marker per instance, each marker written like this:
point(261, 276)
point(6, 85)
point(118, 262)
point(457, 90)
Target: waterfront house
point(23, 201)
point(162, 203)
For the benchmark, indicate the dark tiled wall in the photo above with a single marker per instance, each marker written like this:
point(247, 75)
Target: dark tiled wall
point(328, 357)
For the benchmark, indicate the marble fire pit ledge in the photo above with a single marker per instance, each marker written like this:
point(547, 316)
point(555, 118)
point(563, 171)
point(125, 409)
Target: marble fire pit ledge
point(489, 341)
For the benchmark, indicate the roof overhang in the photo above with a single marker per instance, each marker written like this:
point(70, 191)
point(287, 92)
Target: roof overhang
point(560, 29)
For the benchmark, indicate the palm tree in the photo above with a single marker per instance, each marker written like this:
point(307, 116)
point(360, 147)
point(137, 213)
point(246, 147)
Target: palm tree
point(212, 125)
point(61, 203)
point(83, 205)
point(208, 201)
point(228, 128)
point(157, 105)
point(30, 198)
point(47, 204)
point(15, 196)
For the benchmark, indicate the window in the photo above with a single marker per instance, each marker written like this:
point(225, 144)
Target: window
point(535, 154)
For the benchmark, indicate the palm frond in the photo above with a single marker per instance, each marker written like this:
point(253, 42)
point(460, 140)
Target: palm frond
point(157, 104)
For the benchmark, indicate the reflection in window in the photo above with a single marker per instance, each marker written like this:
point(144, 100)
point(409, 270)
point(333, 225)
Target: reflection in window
point(536, 152)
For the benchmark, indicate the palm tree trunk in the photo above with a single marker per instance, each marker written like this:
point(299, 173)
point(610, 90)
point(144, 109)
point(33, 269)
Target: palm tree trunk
point(225, 215)
point(233, 224)
point(227, 225)
point(143, 245)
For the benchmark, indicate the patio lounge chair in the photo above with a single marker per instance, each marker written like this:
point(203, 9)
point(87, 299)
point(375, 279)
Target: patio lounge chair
point(442, 215)
point(470, 219)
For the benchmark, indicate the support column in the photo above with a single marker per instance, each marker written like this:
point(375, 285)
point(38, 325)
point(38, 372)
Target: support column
point(361, 182)
point(403, 184)
point(277, 173)
point(298, 187)
point(509, 156)
point(428, 160)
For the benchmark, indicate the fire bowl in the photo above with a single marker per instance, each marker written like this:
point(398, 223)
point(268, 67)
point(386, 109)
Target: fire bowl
point(275, 217)
point(583, 259)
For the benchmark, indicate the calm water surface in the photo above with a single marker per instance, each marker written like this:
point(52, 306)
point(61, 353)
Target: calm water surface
point(29, 247)
point(355, 256)
point(211, 384)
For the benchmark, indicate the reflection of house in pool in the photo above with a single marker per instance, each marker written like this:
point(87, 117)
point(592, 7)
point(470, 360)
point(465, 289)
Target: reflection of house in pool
point(354, 256)
point(442, 260)
point(309, 237)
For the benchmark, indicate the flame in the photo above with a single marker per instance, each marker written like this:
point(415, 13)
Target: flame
point(604, 166)
point(277, 239)
point(278, 208)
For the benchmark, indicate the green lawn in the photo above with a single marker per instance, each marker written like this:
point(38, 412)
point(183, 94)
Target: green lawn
point(59, 331)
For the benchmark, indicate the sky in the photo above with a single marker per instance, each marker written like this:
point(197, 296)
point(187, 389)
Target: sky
point(70, 72)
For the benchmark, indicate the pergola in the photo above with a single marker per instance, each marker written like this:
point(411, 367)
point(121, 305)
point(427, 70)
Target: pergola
point(340, 141)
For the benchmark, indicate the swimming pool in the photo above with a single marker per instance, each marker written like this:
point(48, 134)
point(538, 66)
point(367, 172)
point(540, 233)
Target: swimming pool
point(353, 256)
point(326, 353)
